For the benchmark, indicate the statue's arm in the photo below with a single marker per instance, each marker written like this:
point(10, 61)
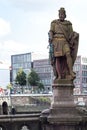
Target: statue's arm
point(51, 31)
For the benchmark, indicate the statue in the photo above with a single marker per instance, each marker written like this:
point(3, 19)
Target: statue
point(63, 42)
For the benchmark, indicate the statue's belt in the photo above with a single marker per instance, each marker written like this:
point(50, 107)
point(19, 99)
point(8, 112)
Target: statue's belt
point(58, 35)
point(60, 38)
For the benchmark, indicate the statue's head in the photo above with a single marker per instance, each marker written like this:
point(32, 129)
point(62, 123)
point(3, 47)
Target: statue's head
point(62, 13)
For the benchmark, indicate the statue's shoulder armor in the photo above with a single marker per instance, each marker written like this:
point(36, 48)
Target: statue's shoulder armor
point(67, 22)
point(54, 21)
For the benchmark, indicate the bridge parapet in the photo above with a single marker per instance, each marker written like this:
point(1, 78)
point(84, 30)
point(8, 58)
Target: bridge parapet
point(16, 122)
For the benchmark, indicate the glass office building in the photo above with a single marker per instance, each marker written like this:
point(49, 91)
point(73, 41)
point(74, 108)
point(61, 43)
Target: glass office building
point(20, 61)
point(45, 72)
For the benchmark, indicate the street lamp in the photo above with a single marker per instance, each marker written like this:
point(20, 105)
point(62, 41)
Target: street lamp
point(9, 87)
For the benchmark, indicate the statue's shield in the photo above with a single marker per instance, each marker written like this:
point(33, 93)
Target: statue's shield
point(74, 48)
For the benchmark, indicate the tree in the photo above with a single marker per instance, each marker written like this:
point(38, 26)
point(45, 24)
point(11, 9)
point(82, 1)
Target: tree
point(21, 78)
point(9, 86)
point(33, 78)
point(40, 86)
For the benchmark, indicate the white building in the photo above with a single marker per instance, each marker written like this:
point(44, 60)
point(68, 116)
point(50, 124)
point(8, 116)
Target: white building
point(4, 75)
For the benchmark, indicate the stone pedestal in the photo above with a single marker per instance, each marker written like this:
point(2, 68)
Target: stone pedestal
point(63, 114)
point(63, 108)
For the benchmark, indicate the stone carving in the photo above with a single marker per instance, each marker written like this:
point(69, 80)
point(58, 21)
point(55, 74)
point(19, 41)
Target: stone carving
point(63, 42)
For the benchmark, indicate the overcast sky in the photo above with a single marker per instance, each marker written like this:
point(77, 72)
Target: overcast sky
point(24, 25)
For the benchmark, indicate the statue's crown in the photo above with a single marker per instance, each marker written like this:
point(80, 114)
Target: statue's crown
point(62, 10)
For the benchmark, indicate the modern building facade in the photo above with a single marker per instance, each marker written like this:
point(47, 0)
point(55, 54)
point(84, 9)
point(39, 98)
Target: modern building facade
point(44, 70)
point(20, 61)
point(80, 67)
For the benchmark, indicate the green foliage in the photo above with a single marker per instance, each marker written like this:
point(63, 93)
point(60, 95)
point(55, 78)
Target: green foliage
point(33, 78)
point(9, 86)
point(21, 77)
point(40, 86)
point(42, 100)
point(34, 81)
point(45, 99)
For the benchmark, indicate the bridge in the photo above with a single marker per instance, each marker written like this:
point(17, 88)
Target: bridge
point(25, 99)
point(20, 122)
point(29, 120)
point(18, 97)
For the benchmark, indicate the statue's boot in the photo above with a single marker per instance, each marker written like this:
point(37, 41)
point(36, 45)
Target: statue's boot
point(72, 74)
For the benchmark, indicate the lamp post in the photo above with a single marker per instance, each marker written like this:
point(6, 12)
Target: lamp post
point(9, 87)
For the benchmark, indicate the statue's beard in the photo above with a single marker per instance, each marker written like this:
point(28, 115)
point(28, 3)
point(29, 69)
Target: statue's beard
point(61, 19)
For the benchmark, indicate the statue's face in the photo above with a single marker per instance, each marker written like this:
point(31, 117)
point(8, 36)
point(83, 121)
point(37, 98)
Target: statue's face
point(61, 16)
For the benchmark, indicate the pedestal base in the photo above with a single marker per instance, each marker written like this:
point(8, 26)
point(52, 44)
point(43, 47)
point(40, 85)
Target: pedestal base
point(63, 108)
point(63, 114)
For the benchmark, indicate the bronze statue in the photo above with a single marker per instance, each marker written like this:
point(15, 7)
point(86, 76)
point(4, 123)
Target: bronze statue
point(63, 46)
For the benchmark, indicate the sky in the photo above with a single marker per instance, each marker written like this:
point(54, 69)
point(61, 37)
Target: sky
point(24, 25)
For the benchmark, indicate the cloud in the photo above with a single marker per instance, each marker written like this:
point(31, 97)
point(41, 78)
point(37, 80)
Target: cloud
point(13, 46)
point(10, 47)
point(4, 27)
point(31, 19)
point(36, 5)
